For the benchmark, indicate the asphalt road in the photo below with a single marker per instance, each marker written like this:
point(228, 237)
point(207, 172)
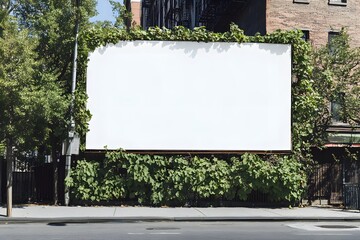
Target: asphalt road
point(182, 230)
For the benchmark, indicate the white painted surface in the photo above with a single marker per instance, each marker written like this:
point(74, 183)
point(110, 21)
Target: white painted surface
point(149, 95)
point(317, 226)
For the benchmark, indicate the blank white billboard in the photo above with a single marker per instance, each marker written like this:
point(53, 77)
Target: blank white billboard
point(190, 96)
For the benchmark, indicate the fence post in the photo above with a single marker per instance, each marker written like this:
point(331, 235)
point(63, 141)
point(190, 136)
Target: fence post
point(359, 196)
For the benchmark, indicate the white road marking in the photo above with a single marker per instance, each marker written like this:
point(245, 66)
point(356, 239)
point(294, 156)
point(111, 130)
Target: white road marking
point(324, 234)
point(155, 233)
point(316, 227)
point(165, 233)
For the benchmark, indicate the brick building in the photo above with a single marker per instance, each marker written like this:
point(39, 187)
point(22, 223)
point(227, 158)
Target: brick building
point(319, 19)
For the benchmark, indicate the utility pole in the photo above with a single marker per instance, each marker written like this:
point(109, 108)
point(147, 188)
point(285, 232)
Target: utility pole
point(72, 136)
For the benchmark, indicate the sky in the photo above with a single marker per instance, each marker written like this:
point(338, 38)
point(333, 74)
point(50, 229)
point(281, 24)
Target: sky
point(104, 11)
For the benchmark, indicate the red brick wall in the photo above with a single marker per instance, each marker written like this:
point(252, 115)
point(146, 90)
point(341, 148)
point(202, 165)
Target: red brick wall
point(318, 17)
point(136, 11)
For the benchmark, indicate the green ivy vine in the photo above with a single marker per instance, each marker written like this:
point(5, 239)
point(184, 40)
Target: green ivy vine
point(305, 100)
point(177, 179)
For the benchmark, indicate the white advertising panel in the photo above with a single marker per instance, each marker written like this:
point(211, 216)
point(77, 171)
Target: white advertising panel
point(190, 96)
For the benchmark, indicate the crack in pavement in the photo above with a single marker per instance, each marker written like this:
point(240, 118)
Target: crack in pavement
point(200, 212)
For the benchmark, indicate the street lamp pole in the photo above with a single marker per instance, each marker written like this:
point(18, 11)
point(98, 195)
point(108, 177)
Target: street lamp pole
point(71, 134)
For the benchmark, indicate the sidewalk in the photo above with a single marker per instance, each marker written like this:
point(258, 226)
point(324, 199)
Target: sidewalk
point(105, 214)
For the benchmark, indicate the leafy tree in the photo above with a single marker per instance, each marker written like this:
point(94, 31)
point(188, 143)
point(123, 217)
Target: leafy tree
point(123, 18)
point(50, 24)
point(16, 81)
point(29, 98)
point(53, 22)
point(337, 80)
point(5, 9)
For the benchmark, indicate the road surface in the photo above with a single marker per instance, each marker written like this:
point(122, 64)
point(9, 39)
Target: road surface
point(182, 231)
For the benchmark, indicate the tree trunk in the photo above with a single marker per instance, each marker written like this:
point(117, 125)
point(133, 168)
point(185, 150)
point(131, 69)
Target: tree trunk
point(9, 176)
point(1, 171)
point(55, 175)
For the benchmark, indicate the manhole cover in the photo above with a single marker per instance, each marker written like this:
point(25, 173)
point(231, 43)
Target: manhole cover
point(337, 226)
point(57, 224)
point(163, 228)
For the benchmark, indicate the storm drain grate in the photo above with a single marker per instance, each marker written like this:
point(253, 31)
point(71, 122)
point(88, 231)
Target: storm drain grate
point(337, 226)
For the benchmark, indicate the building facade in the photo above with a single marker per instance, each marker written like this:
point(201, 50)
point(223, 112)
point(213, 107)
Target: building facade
point(216, 15)
point(319, 19)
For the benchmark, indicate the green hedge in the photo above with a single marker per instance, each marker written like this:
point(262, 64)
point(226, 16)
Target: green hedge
point(176, 180)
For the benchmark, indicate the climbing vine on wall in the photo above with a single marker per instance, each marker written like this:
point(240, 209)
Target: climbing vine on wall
point(163, 179)
point(305, 100)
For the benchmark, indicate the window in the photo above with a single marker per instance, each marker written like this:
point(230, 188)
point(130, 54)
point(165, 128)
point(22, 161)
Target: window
point(302, 1)
point(337, 109)
point(306, 35)
point(338, 2)
point(331, 36)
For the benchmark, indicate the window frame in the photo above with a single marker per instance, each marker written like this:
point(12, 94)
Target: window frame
point(301, 1)
point(335, 107)
point(306, 35)
point(338, 2)
point(332, 34)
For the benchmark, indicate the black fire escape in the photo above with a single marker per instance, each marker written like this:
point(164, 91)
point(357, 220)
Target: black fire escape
point(166, 13)
point(216, 15)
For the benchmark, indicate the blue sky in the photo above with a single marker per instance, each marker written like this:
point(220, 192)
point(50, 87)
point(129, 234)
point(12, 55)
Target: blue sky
point(104, 11)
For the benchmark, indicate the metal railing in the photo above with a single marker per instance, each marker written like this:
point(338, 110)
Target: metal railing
point(352, 196)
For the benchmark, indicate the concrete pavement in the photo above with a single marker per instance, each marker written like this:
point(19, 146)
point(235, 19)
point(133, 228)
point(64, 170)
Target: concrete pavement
point(35, 213)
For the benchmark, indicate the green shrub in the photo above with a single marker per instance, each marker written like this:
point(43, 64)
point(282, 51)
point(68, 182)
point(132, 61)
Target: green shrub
point(90, 182)
point(176, 180)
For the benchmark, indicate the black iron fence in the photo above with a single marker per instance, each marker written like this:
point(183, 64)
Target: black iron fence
point(33, 181)
point(334, 176)
point(352, 196)
point(326, 183)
